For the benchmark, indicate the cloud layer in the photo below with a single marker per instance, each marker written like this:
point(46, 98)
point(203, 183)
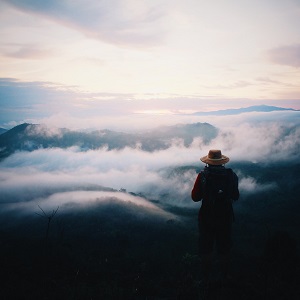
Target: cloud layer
point(154, 47)
point(116, 22)
point(286, 55)
point(63, 106)
point(167, 176)
point(78, 200)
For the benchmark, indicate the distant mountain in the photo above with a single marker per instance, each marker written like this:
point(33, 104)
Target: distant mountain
point(236, 111)
point(30, 137)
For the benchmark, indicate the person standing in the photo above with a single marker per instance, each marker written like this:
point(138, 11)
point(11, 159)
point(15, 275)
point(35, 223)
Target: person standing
point(217, 187)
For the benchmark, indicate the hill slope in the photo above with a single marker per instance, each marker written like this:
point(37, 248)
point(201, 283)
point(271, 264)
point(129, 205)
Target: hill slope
point(29, 137)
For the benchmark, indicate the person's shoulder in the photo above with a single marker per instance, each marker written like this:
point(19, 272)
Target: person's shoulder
point(230, 172)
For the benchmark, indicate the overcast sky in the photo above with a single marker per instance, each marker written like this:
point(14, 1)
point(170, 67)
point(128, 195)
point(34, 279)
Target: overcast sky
point(88, 58)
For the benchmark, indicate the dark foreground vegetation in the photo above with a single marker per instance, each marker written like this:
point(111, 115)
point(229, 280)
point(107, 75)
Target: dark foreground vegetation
point(94, 254)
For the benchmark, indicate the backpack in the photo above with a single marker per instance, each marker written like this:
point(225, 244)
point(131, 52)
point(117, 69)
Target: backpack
point(217, 185)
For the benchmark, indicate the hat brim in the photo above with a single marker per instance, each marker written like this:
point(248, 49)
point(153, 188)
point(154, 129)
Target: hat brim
point(215, 162)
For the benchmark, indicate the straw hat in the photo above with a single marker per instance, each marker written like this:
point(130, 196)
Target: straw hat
point(215, 158)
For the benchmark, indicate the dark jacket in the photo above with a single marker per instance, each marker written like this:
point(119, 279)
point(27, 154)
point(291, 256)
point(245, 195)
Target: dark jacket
point(199, 194)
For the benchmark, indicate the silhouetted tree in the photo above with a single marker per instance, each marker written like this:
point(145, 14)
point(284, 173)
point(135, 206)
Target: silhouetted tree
point(49, 217)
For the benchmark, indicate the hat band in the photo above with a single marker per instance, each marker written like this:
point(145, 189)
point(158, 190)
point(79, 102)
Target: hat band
point(216, 158)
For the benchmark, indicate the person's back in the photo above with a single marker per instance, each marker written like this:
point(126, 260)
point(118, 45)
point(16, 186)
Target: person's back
point(217, 187)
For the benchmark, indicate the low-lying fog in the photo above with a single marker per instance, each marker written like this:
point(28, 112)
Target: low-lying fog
point(44, 176)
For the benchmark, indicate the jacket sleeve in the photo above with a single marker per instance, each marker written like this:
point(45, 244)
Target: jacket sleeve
point(235, 192)
point(197, 193)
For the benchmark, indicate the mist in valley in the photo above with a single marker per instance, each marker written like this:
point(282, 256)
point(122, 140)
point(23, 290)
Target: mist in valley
point(123, 212)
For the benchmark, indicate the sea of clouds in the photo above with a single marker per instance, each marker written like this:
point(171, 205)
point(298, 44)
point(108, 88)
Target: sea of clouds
point(54, 176)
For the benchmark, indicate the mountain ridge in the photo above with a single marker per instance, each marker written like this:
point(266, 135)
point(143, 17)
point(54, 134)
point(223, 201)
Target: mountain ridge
point(30, 137)
point(2, 130)
point(236, 111)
